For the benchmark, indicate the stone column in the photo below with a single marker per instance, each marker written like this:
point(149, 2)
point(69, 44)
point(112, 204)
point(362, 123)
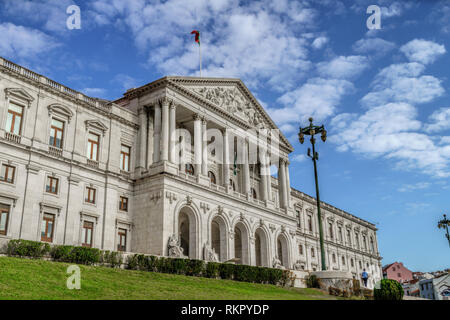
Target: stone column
point(157, 134)
point(165, 130)
point(282, 183)
point(172, 128)
point(288, 185)
point(143, 137)
point(246, 169)
point(269, 178)
point(197, 144)
point(225, 162)
point(263, 174)
point(204, 148)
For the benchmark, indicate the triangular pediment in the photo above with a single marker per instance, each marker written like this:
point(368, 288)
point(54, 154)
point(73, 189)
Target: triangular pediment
point(96, 124)
point(234, 98)
point(19, 93)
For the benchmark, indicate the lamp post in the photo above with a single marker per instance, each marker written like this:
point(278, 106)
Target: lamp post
point(444, 223)
point(311, 131)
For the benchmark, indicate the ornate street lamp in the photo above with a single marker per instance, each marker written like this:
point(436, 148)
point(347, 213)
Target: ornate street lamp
point(444, 223)
point(311, 131)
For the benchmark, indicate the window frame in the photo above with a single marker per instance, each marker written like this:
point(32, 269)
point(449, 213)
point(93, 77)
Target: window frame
point(212, 177)
point(88, 193)
point(123, 157)
point(90, 146)
point(122, 234)
point(47, 220)
point(121, 203)
point(5, 178)
point(14, 115)
point(8, 212)
point(51, 178)
point(56, 132)
point(84, 231)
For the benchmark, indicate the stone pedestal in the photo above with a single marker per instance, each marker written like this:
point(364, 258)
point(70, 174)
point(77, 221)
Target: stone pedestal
point(337, 279)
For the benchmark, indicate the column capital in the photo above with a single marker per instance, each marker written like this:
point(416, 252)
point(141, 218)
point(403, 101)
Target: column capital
point(224, 131)
point(196, 117)
point(204, 120)
point(165, 101)
point(173, 105)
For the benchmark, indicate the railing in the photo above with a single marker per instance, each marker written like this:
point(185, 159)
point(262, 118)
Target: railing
point(54, 151)
point(52, 84)
point(12, 137)
point(92, 163)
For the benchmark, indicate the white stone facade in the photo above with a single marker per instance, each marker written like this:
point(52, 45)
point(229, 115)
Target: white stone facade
point(245, 213)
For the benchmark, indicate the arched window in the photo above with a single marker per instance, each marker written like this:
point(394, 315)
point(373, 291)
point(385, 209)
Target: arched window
point(254, 195)
point(212, 177)
point(189, 169)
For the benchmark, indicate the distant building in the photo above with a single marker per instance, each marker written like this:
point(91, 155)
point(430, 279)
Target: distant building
point(397, 271)
point(411, 288)
point(436, 289)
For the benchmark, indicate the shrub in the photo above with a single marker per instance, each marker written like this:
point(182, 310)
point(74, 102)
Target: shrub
point(62, 253)
point(113, 258)
point(312, 281)
point(27, 248)
point(212, 270)
point(389, 290)
point(226, 271)
point(84, 255)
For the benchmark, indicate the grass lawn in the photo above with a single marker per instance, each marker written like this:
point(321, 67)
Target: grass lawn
point(39, 279)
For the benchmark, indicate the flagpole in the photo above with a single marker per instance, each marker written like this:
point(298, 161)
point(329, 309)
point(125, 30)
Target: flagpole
point(200, 54)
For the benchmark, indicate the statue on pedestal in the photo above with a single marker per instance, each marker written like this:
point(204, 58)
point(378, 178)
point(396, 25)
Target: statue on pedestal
point(175, 249)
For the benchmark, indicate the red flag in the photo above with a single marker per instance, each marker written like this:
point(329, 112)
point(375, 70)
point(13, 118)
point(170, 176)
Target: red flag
point(197, 36)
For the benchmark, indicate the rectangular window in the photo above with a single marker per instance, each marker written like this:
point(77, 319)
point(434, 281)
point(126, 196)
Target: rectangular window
point(313, 254)
point(123, 204)
point(14, 119)
point(340, 234)
point(300, 249)
point(4, 216)
point(122, 245)
point(310, 223)
point(86, 237)
point(7, 173)
point(349, 238)
point(47, 226)
point(56, 133)
point(125, 158)
point(90, 195)
point(52, 185)
point(93, 146)
point(331, 231)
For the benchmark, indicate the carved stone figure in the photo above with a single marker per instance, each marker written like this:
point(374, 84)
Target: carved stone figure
point(210, 254)
point(276, 263)
point(298, 266)
point(175, 249)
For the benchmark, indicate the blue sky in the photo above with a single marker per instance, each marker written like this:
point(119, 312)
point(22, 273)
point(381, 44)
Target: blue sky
point(383, 95)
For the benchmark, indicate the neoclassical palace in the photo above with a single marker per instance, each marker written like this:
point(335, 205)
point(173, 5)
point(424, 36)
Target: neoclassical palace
point(146, 173)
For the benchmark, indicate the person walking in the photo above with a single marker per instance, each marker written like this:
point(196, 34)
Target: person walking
point(364, 276)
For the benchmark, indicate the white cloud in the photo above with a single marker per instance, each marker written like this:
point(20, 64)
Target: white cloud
point(402, 83)
point(94, 92)
point(49, 14)
point(422, 51)
point(440, 120)
point(319, 42)
point(390, 131)
point(343, 67)
point(21, 42)
point(276, 54)
point(415, 186)
point(375, 46)
point(299, 158)
point(318, 98)
point(125, 81)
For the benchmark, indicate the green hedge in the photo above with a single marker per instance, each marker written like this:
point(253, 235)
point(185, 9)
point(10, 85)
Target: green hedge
point(388, 289)
point(189, 267)
point(71, 254)
point(26, 248)
point(200, 268)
